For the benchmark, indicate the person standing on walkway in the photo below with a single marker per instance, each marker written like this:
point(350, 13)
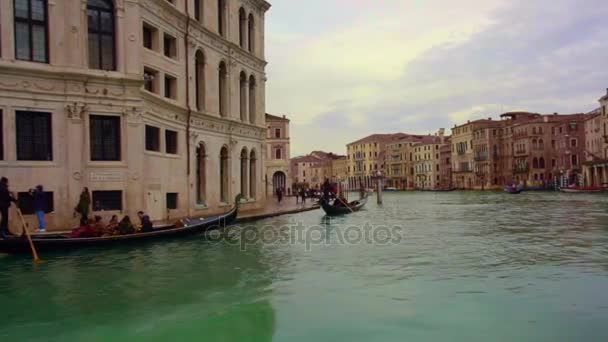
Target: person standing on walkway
point(279, 194)
point(296, 192)
point(84, 203)
point(303, 194)
point(6, 197)
point(39, 204)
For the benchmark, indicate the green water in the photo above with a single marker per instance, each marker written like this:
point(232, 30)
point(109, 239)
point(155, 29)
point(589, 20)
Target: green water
point(469, 267)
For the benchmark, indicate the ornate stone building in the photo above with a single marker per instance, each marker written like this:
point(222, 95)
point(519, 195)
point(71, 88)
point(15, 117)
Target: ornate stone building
point(154, 105)
point(278, 173)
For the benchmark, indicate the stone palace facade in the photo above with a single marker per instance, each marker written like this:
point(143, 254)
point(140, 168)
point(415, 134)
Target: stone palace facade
point(154, 105)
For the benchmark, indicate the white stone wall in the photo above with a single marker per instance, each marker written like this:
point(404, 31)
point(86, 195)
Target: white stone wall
point(68, 89)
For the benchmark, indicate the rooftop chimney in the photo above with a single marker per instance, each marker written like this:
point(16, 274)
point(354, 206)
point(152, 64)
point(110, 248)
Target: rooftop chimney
point(555, 113)
point(283, 116)
point(490, 119)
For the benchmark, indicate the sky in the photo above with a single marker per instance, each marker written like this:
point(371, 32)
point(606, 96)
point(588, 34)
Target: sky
point(344, 69)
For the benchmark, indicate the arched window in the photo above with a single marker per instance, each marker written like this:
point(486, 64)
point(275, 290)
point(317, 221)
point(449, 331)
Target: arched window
point(252, 96)
point(243, 96)
point(224, 176)
point(535, 163)
point(198, 10)
point(221, 17)
point(541, 144)
point(534, 144)
point(101, 34)
point(31, 30)
point(201, 174)
point(242, 27)
point(251, 33)
point(200, 80)
point(252, 174)
point(223, 91)
point(244, 173)
point(541, 162)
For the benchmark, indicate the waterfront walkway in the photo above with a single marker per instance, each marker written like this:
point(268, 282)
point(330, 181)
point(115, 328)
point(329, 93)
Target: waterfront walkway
point(273, 208)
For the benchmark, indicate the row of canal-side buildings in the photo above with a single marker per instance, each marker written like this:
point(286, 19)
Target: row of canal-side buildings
point(154, 105)
point(531, 149)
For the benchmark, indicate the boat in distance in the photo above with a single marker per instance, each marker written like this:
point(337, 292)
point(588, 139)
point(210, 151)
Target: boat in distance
point(333, 210)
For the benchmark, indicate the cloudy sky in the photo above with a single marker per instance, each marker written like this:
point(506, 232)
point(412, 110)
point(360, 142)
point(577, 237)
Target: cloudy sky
point(342, 69)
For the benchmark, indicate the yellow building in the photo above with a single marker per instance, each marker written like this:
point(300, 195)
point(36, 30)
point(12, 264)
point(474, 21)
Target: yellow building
point(463, 154)
point(367, 159)
point(278, 173)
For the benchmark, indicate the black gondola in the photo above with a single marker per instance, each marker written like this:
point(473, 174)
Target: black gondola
point(59, 243)
point(333, 210)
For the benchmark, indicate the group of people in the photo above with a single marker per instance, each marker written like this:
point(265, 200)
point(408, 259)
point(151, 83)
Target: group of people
point(89, 227)
point(96, 228)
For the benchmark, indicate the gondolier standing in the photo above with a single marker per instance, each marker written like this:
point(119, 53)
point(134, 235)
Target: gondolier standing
point(6, 197)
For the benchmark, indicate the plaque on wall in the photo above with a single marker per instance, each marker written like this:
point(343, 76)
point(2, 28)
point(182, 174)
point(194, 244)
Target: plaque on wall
point(106, 176)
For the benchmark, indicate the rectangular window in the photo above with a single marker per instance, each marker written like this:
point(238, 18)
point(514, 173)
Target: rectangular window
point(101, 36)
point(277, 133)
point(151, 80)
point(25, 201)
point(31, 34)
point(149, 36)
point(170, 87)
point(34, 136)
point(152, 138)
point(104, 137)
point(197, 10)
point(107, 200)
point(170, 46)
point(170, 142)
point(278, 154)
point(172, 200)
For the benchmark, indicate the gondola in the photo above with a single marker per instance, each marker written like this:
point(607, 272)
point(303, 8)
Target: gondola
point(511, 190)
point(59, 243)
point(332, 210)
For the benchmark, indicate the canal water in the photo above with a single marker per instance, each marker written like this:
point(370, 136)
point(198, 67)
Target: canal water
point(461, 266)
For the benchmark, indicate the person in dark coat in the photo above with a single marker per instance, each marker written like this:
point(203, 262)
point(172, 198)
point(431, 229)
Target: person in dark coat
point(6, 198)
point(83, 206)
point(146, 223)
point(39, 204)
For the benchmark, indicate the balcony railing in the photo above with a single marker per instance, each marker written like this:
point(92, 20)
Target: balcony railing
point(481, 157)
point(521, 169)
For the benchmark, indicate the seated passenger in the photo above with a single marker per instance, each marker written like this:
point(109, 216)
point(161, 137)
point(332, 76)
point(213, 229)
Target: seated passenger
point(125, 226)
point(85, 230)
point(98, 226)
point(146, 223)
point(112, 226)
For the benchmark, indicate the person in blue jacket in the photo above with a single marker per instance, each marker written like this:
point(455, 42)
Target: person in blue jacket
point(39, 205)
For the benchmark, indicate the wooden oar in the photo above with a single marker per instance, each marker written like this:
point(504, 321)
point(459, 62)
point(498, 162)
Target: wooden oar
point(29, 238)
point(345, 204)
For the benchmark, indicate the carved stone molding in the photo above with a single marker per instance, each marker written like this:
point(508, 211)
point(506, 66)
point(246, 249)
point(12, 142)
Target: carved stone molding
point(133, 115)
point(76, 111)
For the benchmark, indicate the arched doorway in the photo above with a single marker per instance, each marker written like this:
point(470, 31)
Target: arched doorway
point(201, 181)
point(244, 173)
point(252, 174)
point(224, 176)
point(279, 180)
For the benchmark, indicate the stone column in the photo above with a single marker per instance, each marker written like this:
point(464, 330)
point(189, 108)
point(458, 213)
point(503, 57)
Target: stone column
point(7, 30)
